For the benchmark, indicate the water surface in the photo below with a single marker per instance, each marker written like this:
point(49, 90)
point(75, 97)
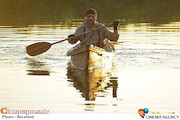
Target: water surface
point(146, 71)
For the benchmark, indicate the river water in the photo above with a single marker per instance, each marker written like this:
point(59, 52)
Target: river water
point(146, 68)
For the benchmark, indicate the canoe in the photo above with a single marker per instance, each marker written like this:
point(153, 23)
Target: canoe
point(90, 57)
point(90, 70)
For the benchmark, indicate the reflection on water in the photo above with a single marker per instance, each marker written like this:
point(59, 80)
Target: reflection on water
point(90, 82)
point(38, 72)
point(36, 67)
point(147, 68)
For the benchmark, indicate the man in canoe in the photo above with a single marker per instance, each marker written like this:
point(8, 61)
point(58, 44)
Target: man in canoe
point(98, 37)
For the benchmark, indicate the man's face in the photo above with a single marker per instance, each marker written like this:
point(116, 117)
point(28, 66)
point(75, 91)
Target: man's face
point(91, 19)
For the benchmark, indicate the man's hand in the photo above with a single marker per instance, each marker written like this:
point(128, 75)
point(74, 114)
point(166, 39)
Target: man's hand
point(115, 24)
point(72, 39)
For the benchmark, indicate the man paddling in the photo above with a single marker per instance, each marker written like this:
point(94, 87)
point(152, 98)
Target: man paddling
point(98, 37)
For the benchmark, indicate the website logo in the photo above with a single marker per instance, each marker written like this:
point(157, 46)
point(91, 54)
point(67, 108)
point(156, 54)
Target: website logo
point(142, 112)
point(27, 112)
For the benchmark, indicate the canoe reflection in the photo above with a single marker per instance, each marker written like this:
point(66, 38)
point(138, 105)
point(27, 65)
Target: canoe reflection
point(92, 82)
point(36, 68)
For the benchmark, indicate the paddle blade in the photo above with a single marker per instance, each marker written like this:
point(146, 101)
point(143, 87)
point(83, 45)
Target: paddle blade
point(37, 48)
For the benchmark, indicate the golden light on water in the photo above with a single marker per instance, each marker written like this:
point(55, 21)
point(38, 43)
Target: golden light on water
point(146, 65)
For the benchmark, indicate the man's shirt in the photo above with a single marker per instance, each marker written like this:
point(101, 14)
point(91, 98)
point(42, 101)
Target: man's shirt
point(96, 36)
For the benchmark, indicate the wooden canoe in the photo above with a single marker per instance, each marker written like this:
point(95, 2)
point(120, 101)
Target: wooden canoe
point(89, 68)
point(89, 57)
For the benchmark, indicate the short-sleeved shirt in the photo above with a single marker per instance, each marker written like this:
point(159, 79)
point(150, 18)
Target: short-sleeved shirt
point(96, 36)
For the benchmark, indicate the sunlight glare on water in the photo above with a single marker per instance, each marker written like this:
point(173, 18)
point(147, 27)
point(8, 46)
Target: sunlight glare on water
point(147, 65)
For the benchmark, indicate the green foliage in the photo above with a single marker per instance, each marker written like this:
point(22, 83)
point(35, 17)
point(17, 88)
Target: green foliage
point(30, 11)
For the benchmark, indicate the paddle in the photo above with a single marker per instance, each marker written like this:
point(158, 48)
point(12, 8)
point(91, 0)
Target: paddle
point(41, 47)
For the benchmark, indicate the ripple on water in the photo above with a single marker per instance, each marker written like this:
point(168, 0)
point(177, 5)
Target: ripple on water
point(43, 80)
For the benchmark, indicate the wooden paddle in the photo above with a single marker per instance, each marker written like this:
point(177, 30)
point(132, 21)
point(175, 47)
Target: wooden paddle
point(41, 47)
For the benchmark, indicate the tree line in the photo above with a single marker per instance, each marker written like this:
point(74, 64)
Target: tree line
point(29, 11)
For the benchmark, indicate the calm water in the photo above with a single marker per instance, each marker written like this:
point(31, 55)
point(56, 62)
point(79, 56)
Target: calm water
point(146, 68)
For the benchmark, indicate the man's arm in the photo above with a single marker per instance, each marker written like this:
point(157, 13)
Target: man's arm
point(72, 38)
point(112, 36)
point(115, 35)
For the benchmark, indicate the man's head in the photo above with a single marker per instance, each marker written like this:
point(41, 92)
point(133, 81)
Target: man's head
point(91, 16)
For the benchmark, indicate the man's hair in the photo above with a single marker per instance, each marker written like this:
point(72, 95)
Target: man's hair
point(91, 11)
